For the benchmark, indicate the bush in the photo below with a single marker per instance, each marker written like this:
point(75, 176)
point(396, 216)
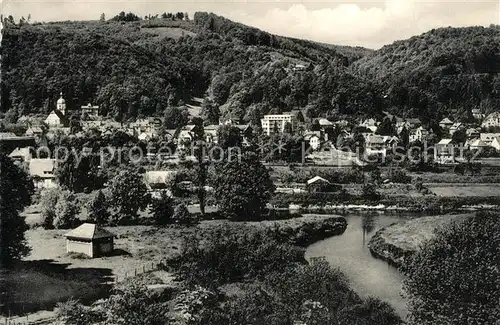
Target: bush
point(227, 255)
point(181, 216)
point(453, 278)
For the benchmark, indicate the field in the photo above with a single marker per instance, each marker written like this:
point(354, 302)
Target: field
point(50, 275)
point(463, 190)
point(169, 32)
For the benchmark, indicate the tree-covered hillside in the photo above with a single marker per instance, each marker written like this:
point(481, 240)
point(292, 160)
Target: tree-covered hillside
point(138, 67)
point(134, 68)
point(443, 70)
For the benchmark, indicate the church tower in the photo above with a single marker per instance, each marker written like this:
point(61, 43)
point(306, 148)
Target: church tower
point(61, 105)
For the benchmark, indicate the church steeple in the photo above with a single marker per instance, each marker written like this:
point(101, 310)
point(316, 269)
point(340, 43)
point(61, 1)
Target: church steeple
point(61, 104)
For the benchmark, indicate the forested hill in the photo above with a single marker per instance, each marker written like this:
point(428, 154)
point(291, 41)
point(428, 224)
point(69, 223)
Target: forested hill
point(137, 67)
point(134, 68)
point(441, 71)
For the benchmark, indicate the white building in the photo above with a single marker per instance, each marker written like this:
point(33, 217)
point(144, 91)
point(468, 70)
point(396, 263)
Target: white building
point(90, 240)
point(277, 122)
point(57, 116)
point(42, 172)
point(488, 137)
point(491, 120)
point(419, 134)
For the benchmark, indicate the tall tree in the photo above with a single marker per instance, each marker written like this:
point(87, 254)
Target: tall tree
point(128, 195)
point(162, 209)
point(98, 209)
point(243, 187)
point(66, 211)
point(15, 193)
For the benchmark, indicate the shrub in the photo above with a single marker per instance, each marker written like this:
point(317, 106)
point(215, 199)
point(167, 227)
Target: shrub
point(467, 254)
point(227, 255)
point(181, 216)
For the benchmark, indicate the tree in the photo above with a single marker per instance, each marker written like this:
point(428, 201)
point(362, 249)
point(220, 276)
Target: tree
point(161, 209)
point(15, 193)
point(174, 117)
point(243, 187)
point(66, 211)
point(210, 111)
point(453, 278)
point(79, 171)
point(182, 216)
point(102, 18)
point(229, 137)
point(128, 195)
point(48, 203)
point(98, 209)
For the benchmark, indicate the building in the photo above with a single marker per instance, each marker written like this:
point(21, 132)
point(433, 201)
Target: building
point(477, 114)
point(444, 151)
point(159, 179)
point(276, 123)
point(488, 137)
point(314, 139)
point(495, 143)
point(491, 120)
point(42, 172)
point(455, 127)
point(477, 144)
point(445, 123)
point(375, 145)
point(318, 184)
point(91, 111)
point(89, 239)
point(34, 131)
point(21, 154)
point(419, 134)
point(472, 133)
point(57, 117)
point(370, 124)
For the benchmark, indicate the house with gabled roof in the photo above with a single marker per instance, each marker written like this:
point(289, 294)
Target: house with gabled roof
point(89, 239)
point(445, 123)
point(444, 151)
point(491, 120)
point(42, 172)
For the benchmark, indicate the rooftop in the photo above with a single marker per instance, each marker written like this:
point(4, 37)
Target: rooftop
point(89, 231)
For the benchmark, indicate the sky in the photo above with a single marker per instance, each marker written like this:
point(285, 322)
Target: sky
point(365, 23)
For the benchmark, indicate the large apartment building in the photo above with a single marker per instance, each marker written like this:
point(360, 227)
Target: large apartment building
point(276, 123)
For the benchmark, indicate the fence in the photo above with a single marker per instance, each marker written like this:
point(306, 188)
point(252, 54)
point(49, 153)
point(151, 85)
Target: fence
point(145, 268)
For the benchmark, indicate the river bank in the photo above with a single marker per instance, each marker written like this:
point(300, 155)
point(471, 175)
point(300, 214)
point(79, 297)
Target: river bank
point(398, 241)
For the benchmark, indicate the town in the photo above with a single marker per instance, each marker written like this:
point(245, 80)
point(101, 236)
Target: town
point(186, 169)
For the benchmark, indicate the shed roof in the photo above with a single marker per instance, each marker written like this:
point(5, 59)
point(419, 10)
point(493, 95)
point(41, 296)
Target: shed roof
point(317, 179)
point(89, 231)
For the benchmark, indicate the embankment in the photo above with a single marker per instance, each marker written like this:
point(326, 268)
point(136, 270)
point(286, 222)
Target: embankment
point(396, 242)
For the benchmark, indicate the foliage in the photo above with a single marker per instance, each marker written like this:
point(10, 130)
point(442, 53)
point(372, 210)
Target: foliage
point(66, 211)
point(128, 195)
point(453, 278)
point(243, 187)
point(132, 304)
point(443, 71)
point(182, 216)
point(162, 209)
point(15, 193)
point(370, 192)
point(78, 171)
point(48, 203)
point(129, 303)
point(72, 312)
point(98, 209)
point(229, 137)
point(226, 255)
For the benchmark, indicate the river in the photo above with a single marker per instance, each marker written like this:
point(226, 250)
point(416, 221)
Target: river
point(349, 252)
